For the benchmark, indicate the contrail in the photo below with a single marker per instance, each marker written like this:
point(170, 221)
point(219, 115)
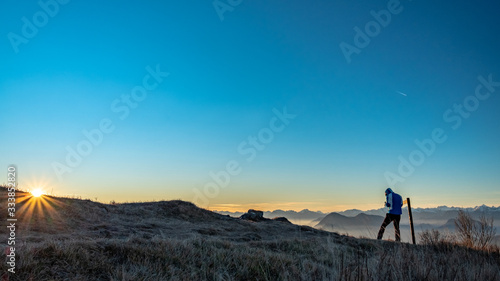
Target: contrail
point(402, 93)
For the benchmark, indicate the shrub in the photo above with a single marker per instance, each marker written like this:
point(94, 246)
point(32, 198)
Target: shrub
point(435, 238)
point(474, 234)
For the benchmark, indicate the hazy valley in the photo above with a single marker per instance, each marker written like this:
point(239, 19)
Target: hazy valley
point(366, 223)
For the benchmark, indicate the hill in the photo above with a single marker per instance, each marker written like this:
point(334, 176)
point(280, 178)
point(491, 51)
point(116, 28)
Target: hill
point(360, 225)
point(73, 239)
point(335, 220)
point(67, 218)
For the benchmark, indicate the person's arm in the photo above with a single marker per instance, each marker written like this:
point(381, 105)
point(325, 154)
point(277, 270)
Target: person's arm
point(389, 200)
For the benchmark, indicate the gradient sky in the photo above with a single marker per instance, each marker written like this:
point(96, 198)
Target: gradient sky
point(225, 78)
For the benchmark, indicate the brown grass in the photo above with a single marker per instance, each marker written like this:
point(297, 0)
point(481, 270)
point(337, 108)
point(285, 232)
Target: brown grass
point(175, 240)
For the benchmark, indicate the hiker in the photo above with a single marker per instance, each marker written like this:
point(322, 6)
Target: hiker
point(394, 201)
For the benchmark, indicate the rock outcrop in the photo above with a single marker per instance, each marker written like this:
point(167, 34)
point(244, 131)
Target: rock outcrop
point(255, 215)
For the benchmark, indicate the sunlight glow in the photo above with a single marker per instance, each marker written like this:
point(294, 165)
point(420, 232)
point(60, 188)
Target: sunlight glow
point(37, 192)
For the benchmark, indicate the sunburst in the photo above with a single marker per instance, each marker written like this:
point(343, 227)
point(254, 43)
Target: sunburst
point(37, 210)
point(37, 192)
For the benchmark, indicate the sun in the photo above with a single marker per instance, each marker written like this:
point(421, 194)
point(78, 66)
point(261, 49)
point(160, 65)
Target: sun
point(37, 192)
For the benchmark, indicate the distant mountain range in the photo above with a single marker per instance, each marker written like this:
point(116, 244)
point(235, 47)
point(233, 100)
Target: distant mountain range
point(365, 223)
point(442, 213)
point(439, 213)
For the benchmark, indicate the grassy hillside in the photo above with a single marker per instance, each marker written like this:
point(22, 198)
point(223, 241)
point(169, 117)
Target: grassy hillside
point(72, 239)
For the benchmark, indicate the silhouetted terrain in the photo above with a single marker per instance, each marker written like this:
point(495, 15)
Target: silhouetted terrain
point(73, 239)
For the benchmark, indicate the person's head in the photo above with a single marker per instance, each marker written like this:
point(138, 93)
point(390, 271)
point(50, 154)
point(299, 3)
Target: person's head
point(388, 191)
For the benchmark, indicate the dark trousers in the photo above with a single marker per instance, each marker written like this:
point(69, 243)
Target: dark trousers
point(388, 219)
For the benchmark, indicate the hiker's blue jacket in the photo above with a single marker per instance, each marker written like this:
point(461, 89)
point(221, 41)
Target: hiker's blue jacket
point(394, 201)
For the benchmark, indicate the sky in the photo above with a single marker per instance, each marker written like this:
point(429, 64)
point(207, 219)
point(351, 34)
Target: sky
point(242, 104)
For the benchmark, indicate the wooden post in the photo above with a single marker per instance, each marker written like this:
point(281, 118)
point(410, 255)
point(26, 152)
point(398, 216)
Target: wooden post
point(411, 220)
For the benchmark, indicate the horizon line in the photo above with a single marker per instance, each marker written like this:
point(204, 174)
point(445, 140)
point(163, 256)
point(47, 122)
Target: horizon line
point(318, 211)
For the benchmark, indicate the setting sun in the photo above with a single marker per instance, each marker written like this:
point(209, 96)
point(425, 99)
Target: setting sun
point(37, 192)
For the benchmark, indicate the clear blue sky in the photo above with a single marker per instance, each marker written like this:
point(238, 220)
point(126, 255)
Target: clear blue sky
point(352, 119)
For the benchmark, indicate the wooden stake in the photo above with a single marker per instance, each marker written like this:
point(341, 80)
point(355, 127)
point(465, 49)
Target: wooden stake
point(411, 220)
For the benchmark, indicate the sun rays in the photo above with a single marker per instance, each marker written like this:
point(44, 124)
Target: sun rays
point(39, 211)
point(35, 207)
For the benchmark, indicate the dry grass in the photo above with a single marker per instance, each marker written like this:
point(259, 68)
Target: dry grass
point(174, 240)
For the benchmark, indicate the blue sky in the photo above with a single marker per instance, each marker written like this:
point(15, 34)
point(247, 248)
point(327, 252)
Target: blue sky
point(225, 78)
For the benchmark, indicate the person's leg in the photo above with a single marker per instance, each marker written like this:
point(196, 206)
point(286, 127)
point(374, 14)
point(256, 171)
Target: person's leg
point(386, 222)
point(396, 219)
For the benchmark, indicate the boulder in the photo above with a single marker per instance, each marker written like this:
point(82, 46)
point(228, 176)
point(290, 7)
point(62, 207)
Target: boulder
point(253, 215)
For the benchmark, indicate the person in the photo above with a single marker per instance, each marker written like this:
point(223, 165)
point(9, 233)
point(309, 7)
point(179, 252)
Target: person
point(394, 202)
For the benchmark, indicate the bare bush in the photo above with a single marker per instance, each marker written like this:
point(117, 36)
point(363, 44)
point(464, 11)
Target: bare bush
point(464, 225)
point(474, 234)
point(485, 232)
point(435, 238)
point(430, 237)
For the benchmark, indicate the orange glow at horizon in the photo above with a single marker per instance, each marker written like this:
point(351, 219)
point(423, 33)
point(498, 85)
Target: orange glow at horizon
point(286, 206)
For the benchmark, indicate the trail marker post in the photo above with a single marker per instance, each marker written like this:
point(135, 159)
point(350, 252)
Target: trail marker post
point(407, 202)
